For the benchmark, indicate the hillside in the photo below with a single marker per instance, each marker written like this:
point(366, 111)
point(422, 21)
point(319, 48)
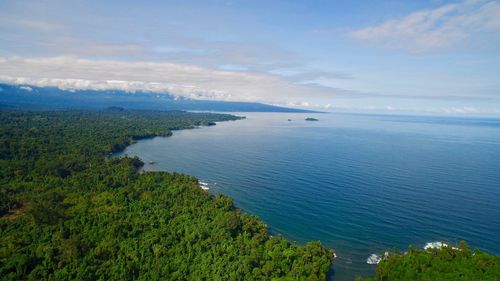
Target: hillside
point(23, 96)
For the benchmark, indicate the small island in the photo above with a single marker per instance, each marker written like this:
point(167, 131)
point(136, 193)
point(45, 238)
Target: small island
point(311, 119)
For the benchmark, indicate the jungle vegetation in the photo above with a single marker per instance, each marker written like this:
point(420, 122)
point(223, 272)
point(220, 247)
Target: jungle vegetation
point(71, 211)
point(445, 264)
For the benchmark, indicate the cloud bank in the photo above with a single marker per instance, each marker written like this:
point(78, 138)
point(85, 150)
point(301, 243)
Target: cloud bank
point(196, 82)
point(434, 29)
point(189, 81)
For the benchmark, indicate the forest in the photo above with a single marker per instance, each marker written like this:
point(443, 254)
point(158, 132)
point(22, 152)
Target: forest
point(443, 264)
point(69, 210)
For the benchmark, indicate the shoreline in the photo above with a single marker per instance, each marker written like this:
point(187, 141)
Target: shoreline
point(364, 255)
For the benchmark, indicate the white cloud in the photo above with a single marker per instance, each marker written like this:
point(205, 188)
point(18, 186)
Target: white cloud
point(158, 77)
point(26, 88)
point(439, 28)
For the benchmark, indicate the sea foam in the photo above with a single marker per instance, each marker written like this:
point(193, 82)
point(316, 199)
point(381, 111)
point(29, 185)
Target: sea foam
point(373, 259)
point(435, 245)
point(203, 185)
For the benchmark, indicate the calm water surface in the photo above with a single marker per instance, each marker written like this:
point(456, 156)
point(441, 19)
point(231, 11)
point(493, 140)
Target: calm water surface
point(358, 183)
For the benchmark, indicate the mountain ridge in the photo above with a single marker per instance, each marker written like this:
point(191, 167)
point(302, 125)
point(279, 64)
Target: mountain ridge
point(24, 95)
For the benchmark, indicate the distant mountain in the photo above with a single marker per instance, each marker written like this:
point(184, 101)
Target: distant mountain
point(52, 97)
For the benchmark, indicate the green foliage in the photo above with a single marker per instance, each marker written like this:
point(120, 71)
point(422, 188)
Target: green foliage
point(458, 264)
point(70, 212)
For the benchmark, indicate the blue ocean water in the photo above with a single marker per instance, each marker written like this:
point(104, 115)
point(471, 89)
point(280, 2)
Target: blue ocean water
point(358, 183)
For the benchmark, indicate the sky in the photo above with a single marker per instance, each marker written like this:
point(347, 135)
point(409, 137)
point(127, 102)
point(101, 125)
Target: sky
point(426, 56)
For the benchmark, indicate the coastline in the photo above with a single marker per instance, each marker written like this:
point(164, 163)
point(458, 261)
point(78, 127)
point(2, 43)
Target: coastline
point(241, 158)
point(205, 188)
point(122, 207)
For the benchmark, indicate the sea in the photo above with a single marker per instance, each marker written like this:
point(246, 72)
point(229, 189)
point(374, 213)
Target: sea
point(359, 183)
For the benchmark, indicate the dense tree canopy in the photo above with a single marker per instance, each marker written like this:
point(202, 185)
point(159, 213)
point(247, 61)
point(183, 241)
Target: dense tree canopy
point(448, 263)
point(68, 211)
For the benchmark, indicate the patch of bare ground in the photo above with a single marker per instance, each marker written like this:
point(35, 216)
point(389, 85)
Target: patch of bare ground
point(15, 212)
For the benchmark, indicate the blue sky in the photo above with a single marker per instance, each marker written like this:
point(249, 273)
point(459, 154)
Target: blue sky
point(398, 56)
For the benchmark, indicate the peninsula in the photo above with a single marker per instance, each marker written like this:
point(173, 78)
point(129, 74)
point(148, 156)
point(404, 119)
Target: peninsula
point(67, 211)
